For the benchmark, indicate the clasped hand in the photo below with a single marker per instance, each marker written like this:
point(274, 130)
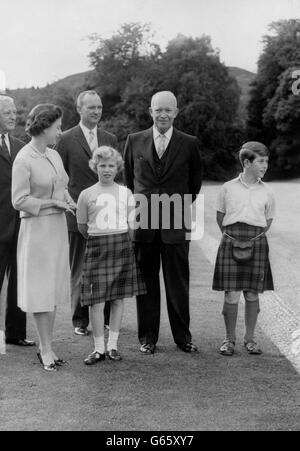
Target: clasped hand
point(66, 206)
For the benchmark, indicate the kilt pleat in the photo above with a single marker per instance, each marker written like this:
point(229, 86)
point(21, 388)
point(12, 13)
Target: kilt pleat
point(255, 275)
point(110, 270)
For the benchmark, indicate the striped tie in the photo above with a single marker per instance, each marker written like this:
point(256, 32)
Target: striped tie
point(161, 145)
point(4, 147)
point(92, 143)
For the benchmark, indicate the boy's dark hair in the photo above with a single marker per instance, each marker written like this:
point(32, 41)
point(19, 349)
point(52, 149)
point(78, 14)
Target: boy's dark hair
point(251, 149)
point(42, 117)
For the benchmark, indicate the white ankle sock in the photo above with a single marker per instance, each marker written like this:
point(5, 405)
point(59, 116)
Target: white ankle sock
point(99, 344)
point(112, 340)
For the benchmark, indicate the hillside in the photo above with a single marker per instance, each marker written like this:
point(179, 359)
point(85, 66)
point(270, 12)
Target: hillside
point(73, 83)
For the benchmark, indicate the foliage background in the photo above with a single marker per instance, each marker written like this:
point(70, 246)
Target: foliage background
point(222, 106)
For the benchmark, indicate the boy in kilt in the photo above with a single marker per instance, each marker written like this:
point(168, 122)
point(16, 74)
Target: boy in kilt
point(245, 210)
point(110, 273)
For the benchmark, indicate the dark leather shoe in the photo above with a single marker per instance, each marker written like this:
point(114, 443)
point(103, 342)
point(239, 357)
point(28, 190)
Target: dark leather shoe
point(93, 358)
point(20, 342)
point(187, 347)
point(50, 368)
point(81, 331)
point(60, 362)
point(148, 348)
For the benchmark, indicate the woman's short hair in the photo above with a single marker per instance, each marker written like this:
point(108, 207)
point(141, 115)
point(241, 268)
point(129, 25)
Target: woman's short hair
point(42, 117)
point(105, 153)
point(251, 149)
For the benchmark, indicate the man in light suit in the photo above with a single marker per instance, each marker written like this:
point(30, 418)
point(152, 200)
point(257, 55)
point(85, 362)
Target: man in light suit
point(163, 161)
point(76, 147)
point(15, 327)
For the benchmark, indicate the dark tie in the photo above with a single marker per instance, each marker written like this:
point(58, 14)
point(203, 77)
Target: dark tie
point(4, 147)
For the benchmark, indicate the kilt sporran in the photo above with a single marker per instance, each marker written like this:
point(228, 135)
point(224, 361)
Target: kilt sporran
point(243, 251)
point(252, 275)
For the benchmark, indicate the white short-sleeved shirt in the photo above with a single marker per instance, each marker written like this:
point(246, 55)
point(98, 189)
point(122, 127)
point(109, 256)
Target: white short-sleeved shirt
point(104, 209)
point(250, 204)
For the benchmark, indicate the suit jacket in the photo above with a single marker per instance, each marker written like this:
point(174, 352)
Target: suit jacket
point(9, 217)
point(75, 153)
point(33, 180)
point(182, 176)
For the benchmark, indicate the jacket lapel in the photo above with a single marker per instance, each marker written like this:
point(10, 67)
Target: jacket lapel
point(147, 146)
point(173, 150)
point(5, 157)
point(82, 141)
point(3, 154)
point(13, 149)
point(101, 138)
point(15, 146)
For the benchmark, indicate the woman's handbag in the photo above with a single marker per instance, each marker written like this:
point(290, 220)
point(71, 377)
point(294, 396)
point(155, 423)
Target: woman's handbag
point(242, 251)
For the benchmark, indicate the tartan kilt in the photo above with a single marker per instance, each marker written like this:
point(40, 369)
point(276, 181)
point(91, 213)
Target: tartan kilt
point(110, 270)
point(255, 275)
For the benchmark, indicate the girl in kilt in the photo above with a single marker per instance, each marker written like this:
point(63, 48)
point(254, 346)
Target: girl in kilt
point(245, 210)
point(110, 272)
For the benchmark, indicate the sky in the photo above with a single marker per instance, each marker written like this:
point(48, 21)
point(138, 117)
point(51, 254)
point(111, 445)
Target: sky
point(42, 41)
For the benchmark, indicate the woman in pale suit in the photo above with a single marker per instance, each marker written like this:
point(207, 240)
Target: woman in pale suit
point(39, 192)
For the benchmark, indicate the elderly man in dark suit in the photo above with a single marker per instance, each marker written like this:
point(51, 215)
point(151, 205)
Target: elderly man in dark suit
point(15, 327)
point(163, 162)
point(76, 147)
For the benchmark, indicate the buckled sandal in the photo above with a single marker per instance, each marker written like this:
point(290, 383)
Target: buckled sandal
point(93, 358)
point(114, 354)
point(252, 348)
point(227, 347)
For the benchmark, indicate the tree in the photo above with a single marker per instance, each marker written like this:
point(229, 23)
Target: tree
point(273, 109)
point(208, 100)
point(129, 67)
point(120, 59)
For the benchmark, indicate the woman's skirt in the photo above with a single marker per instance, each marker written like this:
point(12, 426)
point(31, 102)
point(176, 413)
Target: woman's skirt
point(254, 275)
point(110, 270)
point(43, 263)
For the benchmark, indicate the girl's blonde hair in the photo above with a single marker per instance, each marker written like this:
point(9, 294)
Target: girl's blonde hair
point(105, 153)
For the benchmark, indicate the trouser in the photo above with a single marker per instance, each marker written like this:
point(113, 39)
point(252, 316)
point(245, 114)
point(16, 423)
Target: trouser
point(175, 266)
point(15, 319)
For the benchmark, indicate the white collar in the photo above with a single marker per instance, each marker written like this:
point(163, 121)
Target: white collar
point(258, 182)
point(168, 133)
point(86, 131)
